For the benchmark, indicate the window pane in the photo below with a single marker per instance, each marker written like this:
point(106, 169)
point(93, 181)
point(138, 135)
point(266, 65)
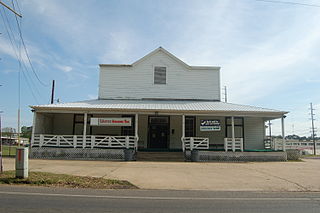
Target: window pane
point(189, 127)
point(158, 120)
point(237, 132)
point(237, 121)
point(160, 75)
point(79, 118)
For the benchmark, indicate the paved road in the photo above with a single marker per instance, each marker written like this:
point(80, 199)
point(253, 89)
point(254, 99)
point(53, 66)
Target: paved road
point(38, 199)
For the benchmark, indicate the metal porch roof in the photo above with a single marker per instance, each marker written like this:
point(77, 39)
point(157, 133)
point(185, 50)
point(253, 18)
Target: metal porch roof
point(160, 106)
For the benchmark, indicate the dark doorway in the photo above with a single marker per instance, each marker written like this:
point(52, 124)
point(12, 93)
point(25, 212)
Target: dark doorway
point(158, 132)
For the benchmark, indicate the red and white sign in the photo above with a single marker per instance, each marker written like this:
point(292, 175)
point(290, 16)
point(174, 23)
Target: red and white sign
point(110, 122)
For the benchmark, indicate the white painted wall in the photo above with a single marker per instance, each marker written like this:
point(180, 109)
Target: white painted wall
point(136, 82)
point(254, 131)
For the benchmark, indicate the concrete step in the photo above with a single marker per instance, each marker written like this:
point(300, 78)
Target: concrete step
point(161, 156)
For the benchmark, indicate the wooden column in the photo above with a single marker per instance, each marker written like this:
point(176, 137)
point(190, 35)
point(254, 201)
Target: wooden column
point(233, 134)
point(84, 130)
point(136, 125)
point(33, 127)
point(283, 134)
point(136, 134)
point(183, 132)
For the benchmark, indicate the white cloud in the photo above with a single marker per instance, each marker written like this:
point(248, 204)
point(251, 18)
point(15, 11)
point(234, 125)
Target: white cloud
point(91, 96)
point(64, 68)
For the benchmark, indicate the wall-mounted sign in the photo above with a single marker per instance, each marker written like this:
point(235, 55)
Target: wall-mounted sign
point(210, 125)
point(110, 121)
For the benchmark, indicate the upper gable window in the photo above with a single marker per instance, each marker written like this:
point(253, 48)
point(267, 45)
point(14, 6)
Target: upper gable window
point(160, 75)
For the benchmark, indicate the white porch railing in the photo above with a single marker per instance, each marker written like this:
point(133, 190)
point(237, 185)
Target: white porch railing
point(237, 144)
point(191, 143)
point(91, 141)
point(300, 145)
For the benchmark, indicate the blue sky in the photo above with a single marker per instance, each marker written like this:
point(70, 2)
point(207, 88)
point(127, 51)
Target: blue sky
point(269, 53)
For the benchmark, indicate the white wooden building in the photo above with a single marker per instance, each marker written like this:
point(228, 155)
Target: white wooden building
point(157, 103)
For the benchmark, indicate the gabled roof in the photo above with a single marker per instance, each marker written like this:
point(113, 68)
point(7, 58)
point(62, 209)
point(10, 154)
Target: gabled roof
point(167, 53)
point(165, 106)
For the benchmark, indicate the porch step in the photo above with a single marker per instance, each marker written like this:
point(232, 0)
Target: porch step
point(160, 156)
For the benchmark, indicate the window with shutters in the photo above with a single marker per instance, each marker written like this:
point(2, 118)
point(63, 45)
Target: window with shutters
point(160, 75)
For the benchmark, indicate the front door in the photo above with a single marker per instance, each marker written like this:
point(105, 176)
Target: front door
point(158, 132)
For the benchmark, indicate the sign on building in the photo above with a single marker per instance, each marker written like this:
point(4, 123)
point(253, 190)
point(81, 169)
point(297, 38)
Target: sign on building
point(210, 125)
point(110, 121)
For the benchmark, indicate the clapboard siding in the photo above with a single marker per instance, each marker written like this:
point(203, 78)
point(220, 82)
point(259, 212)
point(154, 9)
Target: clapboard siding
point(137, 81)
point(254, 131)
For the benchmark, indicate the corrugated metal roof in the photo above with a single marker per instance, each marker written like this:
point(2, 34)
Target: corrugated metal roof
point(159, 105)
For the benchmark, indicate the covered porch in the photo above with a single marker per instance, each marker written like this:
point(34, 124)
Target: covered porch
point(171, 129)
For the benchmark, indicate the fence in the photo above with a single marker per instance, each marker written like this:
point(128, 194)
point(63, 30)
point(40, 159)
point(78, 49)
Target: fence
point(90, 141)
point(237, 144)
point(191, 143)
point(9, 150)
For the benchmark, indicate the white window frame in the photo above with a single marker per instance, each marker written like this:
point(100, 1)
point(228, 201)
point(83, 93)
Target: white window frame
point(153, 70)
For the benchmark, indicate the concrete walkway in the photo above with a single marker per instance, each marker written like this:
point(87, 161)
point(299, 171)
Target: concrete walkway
point(268, 176)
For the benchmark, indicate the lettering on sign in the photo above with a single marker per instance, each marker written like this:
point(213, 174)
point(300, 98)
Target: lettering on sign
point(210, 125)
point(110, 121)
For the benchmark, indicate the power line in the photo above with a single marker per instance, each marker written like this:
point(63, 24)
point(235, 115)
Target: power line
point(9, 8)
point(290, 2)
point(15, 50)
point(26, 51)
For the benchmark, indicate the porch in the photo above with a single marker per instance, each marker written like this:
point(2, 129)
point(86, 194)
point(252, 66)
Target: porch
point(152, 125)
point(58, 133)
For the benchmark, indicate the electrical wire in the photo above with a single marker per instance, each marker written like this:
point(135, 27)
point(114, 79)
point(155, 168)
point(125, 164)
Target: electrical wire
point(26, 51)
point(289, 2)
point(15, 49)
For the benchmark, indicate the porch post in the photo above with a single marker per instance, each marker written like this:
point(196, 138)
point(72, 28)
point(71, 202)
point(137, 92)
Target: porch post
point(84, 139)
point(233, 137)
point(183, 126)
point(283, 134)
point(136, 125)
point(183, 132)
point(33, 127)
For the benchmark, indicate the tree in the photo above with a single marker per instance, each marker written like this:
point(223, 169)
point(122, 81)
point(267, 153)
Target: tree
point(26, 131)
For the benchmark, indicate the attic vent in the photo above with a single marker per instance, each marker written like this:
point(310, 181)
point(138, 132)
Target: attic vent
point(160, 75)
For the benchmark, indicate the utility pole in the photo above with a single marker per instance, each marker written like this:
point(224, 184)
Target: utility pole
point(225, 93)
point(1, 164)
point(313, 130)
point(52, 92)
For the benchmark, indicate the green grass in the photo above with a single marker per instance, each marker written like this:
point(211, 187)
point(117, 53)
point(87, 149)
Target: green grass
point(61, 180)
point(9, 150)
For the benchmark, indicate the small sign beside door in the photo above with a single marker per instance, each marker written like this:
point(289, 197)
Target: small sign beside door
point(110, 121)
point(210, 125)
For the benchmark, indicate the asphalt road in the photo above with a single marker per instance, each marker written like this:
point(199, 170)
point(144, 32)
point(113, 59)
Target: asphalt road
point(38, 199)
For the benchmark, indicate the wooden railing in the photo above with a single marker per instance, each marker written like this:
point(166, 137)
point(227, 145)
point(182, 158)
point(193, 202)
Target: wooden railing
point(91, 141)
point(191, 143)
point(231, 145)
point(300, 145)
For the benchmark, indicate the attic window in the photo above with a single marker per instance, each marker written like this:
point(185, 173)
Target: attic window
point(160, 75)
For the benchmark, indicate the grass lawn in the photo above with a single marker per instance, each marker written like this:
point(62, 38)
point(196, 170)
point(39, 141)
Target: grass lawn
point(8, 150)
point(60, 180)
